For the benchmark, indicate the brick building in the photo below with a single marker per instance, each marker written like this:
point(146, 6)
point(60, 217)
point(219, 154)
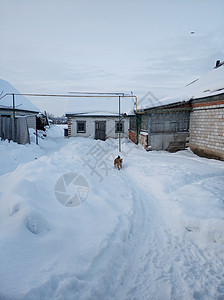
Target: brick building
point(207, 126)
point(203, 99)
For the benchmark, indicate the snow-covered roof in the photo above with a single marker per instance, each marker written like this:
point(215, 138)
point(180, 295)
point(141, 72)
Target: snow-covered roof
point(21, 102)
point(209, 84)
point(99, 106)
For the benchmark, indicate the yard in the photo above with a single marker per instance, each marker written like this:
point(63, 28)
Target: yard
point(73, 227)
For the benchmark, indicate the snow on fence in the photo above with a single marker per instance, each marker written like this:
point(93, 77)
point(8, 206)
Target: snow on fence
point(15, 129)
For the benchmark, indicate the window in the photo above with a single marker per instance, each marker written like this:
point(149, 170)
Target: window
point(81, 126)
point(173, 126)
point(157, 127)
point(119, 127)
point(144, 122)
point(185, 125)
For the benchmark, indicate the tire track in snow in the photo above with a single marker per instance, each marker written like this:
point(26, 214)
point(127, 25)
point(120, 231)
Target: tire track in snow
point(142, 252)
point(158, 264)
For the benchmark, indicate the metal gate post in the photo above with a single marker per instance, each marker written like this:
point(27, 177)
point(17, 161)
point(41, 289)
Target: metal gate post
point(119, 132)
point(14, 129)
point(149, 130)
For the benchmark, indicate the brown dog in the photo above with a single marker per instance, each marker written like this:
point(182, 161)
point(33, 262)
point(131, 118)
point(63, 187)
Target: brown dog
point(118, 162)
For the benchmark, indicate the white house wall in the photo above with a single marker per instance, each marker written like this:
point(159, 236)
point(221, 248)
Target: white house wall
point(90, 126)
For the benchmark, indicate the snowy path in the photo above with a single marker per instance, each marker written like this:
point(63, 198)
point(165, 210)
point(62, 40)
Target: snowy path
point(151, 231)
point(159, 264)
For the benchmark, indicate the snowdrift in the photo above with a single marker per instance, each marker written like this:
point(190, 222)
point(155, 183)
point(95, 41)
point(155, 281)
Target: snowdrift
point(151, 231)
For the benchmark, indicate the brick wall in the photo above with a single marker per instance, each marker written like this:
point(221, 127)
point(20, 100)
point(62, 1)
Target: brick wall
point(143, 139)
point(69, 127)
point(132, 136)
point(207, 130)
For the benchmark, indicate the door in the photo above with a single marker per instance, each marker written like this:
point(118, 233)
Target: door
point(100, 130)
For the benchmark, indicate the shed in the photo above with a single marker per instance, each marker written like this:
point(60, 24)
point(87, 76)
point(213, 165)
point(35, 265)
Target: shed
point(164, 127)
point(17, 114)
point(23, 106)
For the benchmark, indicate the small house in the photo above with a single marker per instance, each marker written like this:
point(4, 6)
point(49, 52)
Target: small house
point(99, 117)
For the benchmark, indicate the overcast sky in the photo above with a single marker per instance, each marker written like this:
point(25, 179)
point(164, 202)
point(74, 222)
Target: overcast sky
point(59, 46)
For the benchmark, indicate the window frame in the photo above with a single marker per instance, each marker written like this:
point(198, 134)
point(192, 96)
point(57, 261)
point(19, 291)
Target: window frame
point(77, 126)
point(116, 127)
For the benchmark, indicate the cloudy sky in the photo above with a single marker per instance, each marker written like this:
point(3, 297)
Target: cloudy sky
point(59, 46)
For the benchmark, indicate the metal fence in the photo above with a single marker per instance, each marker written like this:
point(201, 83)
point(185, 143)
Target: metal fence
point(14, 129)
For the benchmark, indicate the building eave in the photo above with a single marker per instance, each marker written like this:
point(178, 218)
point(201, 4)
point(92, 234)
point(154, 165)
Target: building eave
point(181, 105)
point(212, 98)
point(19, 110)
point(95, 116)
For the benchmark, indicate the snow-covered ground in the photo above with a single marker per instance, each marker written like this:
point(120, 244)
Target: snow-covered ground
point(154, 230)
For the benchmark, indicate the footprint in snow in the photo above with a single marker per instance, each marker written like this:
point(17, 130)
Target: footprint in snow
point(36, 223)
